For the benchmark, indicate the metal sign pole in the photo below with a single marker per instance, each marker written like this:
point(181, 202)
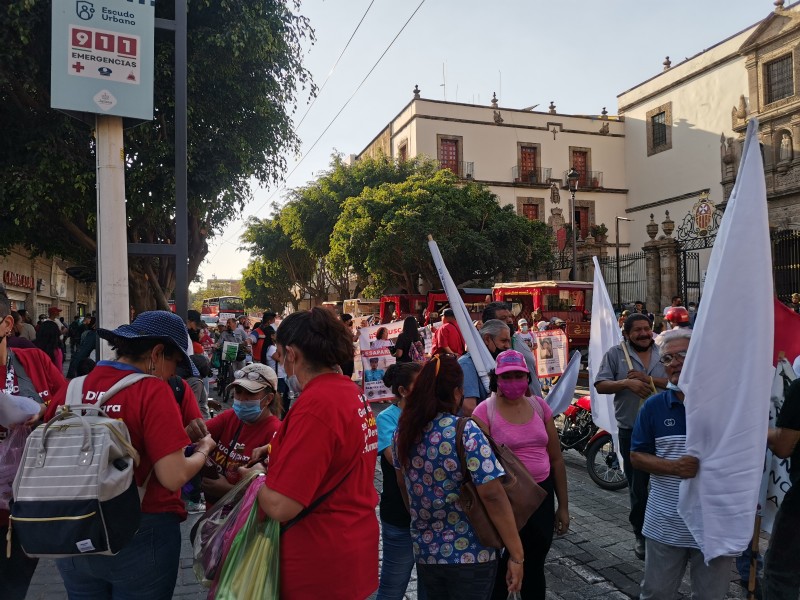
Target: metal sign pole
point(112, 257)
point(181, 208)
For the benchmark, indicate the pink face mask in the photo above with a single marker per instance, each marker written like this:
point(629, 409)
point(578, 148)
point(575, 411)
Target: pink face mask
point(512, 388)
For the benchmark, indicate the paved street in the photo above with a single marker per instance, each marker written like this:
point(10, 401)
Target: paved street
point(595, 560)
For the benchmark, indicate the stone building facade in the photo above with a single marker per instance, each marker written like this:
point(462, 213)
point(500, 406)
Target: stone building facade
point(35, 283)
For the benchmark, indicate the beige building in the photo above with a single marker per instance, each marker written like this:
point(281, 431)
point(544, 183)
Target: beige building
point(684, 131)
point(521, 155)
point(37, 283)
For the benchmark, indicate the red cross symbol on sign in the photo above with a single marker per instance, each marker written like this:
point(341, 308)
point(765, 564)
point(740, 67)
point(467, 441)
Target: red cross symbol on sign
point(78, 67)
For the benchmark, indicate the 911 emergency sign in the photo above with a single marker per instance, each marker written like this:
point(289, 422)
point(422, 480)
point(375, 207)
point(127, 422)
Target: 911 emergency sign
point(102, 57)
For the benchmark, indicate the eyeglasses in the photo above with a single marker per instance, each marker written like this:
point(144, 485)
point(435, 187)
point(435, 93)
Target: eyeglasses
point(251, 375)
point(667, 359)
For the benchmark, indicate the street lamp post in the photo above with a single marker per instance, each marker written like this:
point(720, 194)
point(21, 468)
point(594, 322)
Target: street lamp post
point(619, 289)
point(572, 179)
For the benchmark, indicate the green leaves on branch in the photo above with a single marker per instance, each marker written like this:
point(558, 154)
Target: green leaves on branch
point(366, 226)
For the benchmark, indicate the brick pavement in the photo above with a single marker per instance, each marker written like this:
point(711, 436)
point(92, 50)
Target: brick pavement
point(595, 560)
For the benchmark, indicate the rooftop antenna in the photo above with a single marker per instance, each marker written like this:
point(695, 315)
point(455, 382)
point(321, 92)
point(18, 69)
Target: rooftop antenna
point(443, 85)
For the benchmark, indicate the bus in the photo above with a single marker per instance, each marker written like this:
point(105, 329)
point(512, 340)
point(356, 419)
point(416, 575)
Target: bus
point(222, 308)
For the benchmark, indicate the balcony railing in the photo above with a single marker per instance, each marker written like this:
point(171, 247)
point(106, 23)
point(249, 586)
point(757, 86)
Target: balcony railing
point(462, 169)
point(527, 175)
point(590, 180)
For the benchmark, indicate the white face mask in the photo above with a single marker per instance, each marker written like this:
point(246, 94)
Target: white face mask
point(672, 386)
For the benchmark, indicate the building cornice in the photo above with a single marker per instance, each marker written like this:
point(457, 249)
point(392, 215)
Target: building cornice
point(657, 203)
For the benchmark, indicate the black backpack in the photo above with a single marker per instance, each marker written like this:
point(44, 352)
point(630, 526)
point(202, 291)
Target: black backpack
point(178, 388)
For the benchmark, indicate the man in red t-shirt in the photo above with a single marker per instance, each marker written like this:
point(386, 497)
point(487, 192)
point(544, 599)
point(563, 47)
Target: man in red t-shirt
point(23, 372)
point(448, 338)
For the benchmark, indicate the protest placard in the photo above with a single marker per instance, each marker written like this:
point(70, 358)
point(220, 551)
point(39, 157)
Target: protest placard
point(552, 352)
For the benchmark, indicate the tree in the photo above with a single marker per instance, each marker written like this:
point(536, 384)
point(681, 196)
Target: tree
point(266, 286)
point(383, 232)
point(245, 72)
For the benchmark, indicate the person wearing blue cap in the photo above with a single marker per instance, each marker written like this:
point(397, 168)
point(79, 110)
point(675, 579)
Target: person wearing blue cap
point(154, 344)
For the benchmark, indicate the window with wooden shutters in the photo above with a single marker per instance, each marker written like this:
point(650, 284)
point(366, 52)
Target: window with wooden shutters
point(580, 162)
point(528, 163)
point(448, 154)
point(530, 211)
point(402, 153)
point(778, 80)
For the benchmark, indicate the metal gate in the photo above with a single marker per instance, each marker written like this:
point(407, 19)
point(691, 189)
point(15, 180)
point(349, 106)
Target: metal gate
point(633, 277)
point(697, 231)
point(786, 263)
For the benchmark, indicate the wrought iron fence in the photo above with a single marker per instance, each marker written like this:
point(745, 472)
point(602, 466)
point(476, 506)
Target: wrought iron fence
point(463, 169)
point(590, 180)
point(786, 263)
point(689, 276)
point(633, 277)
point(522, 174)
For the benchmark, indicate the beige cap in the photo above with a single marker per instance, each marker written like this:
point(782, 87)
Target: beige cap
point(255, 378)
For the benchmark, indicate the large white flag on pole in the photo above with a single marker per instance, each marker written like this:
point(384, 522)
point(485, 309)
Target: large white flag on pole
point(727, 385)
point(604, 334)
point(481, 357)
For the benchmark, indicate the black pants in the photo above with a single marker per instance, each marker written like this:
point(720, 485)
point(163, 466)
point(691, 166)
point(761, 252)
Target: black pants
point(458, 582)
point(536, 536)
point(15, 572)
point(637, 482)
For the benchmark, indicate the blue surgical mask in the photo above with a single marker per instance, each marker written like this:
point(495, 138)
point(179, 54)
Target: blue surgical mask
point(293, 384)
point(248, 411)
point(673, 387)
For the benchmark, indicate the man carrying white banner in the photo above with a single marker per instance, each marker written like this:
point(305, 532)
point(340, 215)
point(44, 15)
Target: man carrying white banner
point(658, 447)
point(631, 371)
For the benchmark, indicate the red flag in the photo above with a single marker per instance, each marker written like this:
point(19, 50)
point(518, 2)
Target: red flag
point(787, 332)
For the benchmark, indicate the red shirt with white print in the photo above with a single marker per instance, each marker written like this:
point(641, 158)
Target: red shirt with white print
point(156, 426)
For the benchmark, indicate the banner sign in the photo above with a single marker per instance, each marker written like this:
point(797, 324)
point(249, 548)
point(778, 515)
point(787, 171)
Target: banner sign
point(102, 57)
point(376, 356)
point(552, 352)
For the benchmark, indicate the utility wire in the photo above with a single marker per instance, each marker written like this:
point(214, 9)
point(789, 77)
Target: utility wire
point(324, 131)
point(333, 68)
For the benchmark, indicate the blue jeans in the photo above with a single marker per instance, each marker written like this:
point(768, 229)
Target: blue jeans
point(398, 560)
point(146, 569)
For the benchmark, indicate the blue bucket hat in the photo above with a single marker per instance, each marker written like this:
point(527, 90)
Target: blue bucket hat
point(160, 325)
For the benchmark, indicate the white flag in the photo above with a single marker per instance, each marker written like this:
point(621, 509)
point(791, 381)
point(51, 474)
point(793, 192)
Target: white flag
point(562, 393)
point(604, 335)
point(481, 357)
point(726, 379)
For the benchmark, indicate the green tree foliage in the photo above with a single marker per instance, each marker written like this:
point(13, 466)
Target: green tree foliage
point(245, 72)
point(383, 233)
point(294, 246)
point(266, 286)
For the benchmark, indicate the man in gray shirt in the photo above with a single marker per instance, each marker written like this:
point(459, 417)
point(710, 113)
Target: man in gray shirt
point(632, 371)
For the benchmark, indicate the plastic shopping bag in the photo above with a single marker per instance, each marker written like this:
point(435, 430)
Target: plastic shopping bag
point(252, 567)
point(217, 530)
point(10, 456)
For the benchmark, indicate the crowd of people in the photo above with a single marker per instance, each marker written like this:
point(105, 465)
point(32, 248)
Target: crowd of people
point(298, 415)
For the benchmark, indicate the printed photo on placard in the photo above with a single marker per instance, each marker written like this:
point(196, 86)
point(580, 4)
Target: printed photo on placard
point(376, 344)
point(552, 352)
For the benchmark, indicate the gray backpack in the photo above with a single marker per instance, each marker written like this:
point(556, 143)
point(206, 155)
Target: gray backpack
point(75, 493)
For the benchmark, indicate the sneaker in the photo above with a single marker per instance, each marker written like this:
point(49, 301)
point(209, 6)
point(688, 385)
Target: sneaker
point(638, 548)
point(194, 508)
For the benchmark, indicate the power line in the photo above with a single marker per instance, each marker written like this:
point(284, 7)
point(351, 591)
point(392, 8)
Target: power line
point(333, 68)
point(330, 124)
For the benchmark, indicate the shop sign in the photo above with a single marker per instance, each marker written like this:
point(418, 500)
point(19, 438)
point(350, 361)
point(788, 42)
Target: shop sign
point(15, 279)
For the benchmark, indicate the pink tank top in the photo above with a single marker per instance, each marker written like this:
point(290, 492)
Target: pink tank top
point(527, 440)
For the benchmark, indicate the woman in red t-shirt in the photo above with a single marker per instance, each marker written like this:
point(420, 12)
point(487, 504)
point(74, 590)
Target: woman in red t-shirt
point(326, 448)
point(252, 423)
point(147, 567)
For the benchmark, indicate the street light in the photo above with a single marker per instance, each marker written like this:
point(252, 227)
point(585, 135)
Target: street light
point(572, 178)
point(619, 290)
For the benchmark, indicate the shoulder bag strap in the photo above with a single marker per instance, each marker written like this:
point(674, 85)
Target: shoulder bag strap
point(313, 506)
point(123, 383)
point(537, 408)
point(462, 462)
point(75, 391)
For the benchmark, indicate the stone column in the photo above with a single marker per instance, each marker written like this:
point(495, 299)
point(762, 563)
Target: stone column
point(653, 262)
point(668, 258)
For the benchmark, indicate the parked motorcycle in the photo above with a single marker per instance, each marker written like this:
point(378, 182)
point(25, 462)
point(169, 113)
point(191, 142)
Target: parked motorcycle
point(578, 432)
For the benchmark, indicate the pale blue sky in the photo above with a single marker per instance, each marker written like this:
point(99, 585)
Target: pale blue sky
point(580, 54)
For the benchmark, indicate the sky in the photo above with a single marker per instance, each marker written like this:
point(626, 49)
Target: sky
point(580, 55)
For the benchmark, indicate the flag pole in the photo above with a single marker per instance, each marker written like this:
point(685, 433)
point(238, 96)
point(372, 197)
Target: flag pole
point(751, 582)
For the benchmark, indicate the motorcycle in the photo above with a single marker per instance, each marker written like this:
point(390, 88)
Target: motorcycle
point(578, 432)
